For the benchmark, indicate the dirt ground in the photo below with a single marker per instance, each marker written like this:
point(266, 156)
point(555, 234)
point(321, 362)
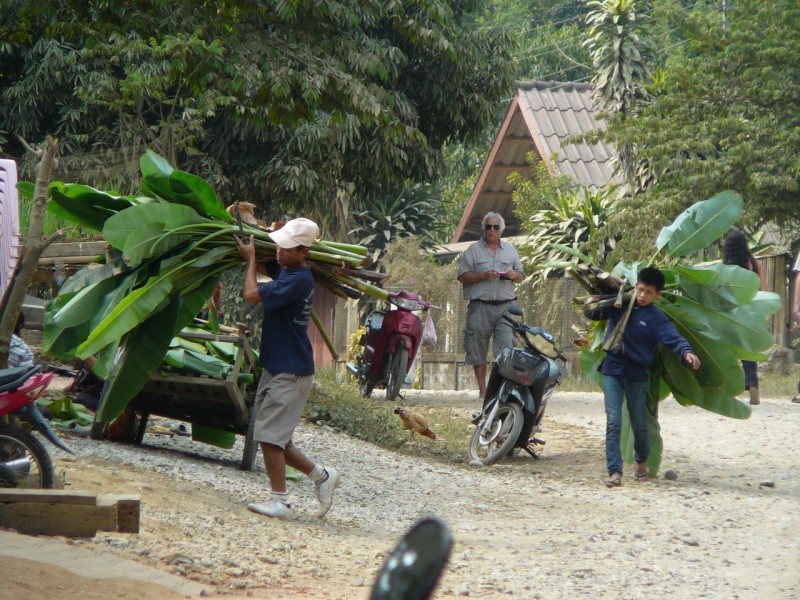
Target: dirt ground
point(728, 527)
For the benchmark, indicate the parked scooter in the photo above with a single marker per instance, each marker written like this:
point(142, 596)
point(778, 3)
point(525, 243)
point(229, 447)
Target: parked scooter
point(521, 383)
point(24, 461)
point(390, 345)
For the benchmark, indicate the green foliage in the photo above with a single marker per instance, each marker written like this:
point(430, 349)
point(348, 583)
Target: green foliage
point(718, 309)
point(618, 53)
point(322, 106)
point(559, 216)
point(390, 218)
point(725, 115)
point(338, 404)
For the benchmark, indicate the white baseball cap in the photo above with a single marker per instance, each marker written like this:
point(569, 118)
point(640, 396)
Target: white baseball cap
point(297, 232)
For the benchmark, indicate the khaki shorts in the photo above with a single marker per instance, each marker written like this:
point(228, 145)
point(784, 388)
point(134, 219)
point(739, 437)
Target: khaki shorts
point(485, 321)
point(280, 400)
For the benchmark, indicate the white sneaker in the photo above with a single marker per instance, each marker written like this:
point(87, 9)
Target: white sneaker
point(272, 508)
point(324, 491)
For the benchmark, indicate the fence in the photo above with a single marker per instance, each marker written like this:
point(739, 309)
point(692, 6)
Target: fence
point(550, 305)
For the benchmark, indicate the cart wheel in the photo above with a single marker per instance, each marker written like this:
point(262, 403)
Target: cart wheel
point(98, 431)
point(142, 428)
point(250, 445)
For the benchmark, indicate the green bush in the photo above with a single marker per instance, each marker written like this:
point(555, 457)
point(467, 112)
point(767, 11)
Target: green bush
point(338, 404)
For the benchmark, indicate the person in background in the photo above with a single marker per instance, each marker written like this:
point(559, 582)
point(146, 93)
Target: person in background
point(488, 270)
point(737, 252)
point(796, 307)
point(624, 370)
point(19, 353)
point(288, 361)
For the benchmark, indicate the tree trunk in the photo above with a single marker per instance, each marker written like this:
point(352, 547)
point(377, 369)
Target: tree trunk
point(35, 244)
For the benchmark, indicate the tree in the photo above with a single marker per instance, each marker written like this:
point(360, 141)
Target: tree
point(726, 116)
point(300, 107)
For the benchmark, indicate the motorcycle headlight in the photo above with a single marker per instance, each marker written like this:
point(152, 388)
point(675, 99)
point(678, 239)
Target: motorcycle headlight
point(407, 303)
point(543, 343)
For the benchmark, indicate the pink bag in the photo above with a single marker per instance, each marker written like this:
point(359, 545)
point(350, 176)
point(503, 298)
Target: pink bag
point(428, 332)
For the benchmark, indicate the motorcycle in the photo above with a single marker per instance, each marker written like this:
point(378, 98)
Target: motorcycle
point(390, 344)
point(521, 382)
point(24, 461)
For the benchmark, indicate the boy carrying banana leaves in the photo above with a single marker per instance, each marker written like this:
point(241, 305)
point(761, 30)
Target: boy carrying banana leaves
point(624, 368)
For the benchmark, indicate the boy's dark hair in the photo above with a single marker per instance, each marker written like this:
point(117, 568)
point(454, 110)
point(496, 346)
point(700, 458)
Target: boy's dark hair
point(20, 325)
point(652, 276)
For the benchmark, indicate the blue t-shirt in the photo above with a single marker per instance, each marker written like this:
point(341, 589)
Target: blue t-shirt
point(287, 300)
point(647, 327)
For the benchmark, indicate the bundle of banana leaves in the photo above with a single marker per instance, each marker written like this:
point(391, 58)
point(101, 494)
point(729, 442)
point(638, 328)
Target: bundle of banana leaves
point(718, 308)
point(168, 248)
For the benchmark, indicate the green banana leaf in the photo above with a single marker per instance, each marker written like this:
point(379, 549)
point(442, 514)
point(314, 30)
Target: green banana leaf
point(127, 315)
point(744, 326)
point(121, 226)
point(181, 342)
point(92, 273)
point(224, 350)
point(84, 205)
point(719, 287)
point(140, 357)
point(701, 224)
point(196, 362)
point(178, 187)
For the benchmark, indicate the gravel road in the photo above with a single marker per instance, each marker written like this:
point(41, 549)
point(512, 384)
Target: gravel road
point(728, 527)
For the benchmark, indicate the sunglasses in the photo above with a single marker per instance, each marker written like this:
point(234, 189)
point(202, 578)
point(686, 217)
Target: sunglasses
point(492, 226)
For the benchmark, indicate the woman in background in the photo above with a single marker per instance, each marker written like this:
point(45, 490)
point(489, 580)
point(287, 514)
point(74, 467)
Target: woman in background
point(737, 252)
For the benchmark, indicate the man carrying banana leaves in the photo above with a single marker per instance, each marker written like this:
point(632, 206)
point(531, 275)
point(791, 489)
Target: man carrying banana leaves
point(288, 362)
point(624, 368)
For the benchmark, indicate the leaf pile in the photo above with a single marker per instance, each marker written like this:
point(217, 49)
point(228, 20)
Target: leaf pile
point(168, 249)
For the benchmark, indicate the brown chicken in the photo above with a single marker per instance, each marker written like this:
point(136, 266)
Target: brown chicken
point(414, 423)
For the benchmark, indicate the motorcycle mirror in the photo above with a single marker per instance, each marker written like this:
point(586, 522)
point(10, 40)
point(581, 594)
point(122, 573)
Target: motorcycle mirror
point(413, 567)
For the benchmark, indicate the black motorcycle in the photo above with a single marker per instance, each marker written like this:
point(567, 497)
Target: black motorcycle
point(521, 383)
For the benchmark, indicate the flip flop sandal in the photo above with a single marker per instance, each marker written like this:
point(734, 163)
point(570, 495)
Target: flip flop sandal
point(614, 481)
point(643, 476)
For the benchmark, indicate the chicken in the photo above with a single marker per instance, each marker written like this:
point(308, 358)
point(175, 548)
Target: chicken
point(414, 423)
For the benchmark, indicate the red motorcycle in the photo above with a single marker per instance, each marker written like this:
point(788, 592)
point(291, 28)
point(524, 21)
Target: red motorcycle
point(24, 461)
point(390, 345)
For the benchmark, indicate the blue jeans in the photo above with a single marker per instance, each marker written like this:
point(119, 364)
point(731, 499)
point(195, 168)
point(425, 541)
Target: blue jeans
point(750, 374)
point(616, 388)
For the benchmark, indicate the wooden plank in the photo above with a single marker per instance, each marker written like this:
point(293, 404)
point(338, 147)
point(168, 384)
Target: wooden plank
point(72, 249)
point(71, 514)
point(47, 496)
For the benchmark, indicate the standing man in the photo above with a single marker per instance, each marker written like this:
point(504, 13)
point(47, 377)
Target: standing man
point(796, 307)
point(288, 362)
point(488, 269)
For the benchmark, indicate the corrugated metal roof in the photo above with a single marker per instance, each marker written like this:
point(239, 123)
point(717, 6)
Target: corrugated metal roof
point(541, 118)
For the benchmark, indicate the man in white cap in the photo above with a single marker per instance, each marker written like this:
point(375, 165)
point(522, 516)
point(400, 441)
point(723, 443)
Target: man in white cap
point(288, 362)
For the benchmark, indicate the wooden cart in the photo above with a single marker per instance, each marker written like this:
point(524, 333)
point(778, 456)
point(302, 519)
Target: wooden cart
point(224, 404)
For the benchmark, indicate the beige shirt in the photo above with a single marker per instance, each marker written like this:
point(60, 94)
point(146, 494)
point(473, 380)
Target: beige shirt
point(479, 258)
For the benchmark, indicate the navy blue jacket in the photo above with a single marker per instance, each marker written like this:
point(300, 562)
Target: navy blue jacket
point(646, 328)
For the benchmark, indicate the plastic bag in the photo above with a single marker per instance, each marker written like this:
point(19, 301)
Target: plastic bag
point(428, 333)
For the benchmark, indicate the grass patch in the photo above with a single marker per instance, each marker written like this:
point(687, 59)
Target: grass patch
point(335, 402)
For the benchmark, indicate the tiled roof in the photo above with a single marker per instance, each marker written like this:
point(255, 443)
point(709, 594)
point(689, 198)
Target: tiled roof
point(541, 118)
point(561, 110)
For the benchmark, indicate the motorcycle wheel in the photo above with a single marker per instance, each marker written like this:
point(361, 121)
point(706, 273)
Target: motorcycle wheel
point(22, 455)
point(398, 365)
point(365, 388)
point(501, 437)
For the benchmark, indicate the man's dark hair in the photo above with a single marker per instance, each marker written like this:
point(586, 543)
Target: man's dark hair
point(20, 325)
point(652, 276)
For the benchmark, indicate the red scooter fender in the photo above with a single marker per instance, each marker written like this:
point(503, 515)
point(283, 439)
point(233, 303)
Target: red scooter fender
point(19, 389)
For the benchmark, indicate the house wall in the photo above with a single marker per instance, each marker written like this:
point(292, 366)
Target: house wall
point(10, 236)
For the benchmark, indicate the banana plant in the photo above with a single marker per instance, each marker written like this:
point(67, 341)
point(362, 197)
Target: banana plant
point(168, 250)
point(718, 308)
